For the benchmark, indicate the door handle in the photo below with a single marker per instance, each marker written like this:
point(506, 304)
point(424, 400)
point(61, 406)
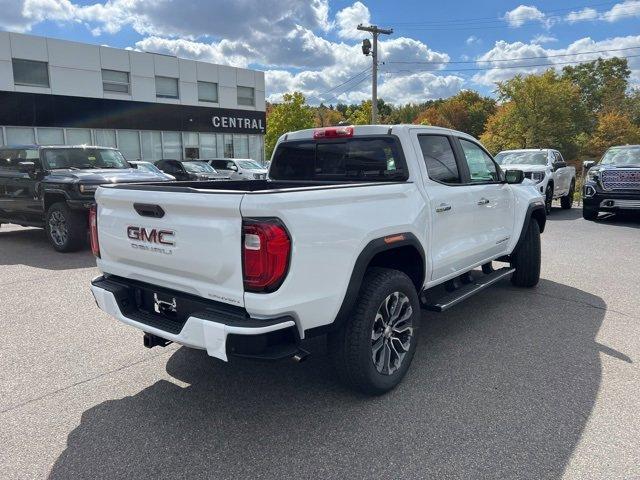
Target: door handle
point(483, 201)
point(443, 207)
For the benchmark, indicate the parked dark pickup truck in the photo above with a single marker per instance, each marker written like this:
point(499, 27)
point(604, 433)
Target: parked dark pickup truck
point(52, 187)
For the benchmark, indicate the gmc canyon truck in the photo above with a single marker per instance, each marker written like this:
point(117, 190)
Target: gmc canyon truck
point(354, 231)
point(547, 169)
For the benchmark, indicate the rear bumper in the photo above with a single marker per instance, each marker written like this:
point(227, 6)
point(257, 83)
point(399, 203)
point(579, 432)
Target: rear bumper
point(219, 329)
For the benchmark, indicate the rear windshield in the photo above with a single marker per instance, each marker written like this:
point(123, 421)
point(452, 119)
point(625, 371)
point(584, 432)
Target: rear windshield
point(371, 159)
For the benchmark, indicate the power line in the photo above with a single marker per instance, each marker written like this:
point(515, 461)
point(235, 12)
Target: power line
point(349, 89)
point(320, 96)
point(509, 67)
point(430, 62)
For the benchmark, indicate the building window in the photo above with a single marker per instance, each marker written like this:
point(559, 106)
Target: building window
point(20, 136)
point(50, 136)
point(171, 146)
point(208, 92)
point(30, 73)
point(166, 87)
point(105, 138)
point(115, 81)
point(151, 146)
point(208, 145)
point(246, 96)
point(129, 144)
point(78, 136)
point(228, 146)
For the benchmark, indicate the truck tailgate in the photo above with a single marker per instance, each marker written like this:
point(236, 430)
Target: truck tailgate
point(193, 244)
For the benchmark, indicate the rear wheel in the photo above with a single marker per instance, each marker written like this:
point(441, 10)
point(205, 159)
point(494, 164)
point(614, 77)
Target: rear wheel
point(66, 229)
point(589, 213)
point(526, 259)
point(567, 202)
point(373, 350)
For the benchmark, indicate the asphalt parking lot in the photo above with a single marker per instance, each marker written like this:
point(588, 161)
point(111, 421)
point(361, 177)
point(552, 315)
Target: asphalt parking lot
point(541, 383)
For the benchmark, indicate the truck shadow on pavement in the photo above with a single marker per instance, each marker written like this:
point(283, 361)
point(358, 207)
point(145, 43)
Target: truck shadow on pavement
point(501, 387)
point(29, 246)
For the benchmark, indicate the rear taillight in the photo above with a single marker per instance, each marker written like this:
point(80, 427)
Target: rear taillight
point(93, 230)
point(266, 248)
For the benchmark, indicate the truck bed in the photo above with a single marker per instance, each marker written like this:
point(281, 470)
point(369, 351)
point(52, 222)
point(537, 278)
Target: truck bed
point(244, 186)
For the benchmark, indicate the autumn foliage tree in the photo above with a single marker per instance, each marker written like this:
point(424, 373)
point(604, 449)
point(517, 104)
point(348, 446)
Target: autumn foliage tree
point(292, 114)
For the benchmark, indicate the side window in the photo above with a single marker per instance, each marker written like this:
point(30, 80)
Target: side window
point(229, 166)
point(10, 158)
point(482, 168)
point(439, 158)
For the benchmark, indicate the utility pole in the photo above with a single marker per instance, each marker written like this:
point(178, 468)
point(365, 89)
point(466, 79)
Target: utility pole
point(366, 49)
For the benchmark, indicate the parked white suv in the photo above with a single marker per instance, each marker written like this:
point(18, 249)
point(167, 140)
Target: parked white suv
point(355, 231)
point(547, 169)
point(239, 168)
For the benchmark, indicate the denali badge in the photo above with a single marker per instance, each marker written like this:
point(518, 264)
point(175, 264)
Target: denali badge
point(162, 237)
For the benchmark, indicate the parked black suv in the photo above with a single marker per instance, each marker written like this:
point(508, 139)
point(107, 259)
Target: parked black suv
point(613, 183)
point(52, 187)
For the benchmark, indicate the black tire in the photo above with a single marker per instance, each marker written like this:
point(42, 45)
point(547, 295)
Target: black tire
point(589, 213)
point(548, 198)
point(66, 229)
point(352, 346)
point(526, 259)
point(567, 202)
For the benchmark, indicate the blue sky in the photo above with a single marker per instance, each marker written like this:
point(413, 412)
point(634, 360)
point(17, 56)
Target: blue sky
point(437, 49)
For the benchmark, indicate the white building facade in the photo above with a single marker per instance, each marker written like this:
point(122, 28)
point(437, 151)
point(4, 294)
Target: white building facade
point(150, 106)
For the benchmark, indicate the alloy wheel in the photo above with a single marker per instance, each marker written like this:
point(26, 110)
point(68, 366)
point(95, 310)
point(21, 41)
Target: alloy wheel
point(58, 228)
point(392, 333)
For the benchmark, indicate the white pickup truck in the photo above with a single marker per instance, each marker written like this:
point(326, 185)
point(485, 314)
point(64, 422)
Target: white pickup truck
point(547, 169)
point(355, 230)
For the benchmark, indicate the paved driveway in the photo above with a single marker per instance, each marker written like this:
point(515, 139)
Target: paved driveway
point(541, 383)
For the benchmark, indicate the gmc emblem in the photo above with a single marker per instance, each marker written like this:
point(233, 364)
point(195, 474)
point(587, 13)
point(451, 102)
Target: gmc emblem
point(162, 237)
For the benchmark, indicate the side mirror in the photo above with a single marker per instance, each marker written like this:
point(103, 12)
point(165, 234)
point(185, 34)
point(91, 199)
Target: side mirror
point(27, 167)
point(587, 164)
point(132, 165)
point(234, 168)
point(557, 165)
point(514, 177)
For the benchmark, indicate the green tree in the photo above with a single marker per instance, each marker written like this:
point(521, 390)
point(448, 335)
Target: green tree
point(602, 83)
point(613, 128)
point(292, 114)
point(542, 113)
point(502, 131)
point(466, 111)
point(360, 114)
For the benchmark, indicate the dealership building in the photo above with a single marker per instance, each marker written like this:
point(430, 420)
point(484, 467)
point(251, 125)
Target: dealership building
point(150, 106)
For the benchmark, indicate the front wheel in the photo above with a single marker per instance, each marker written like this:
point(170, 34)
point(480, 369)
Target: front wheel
point(567, 202)
point(66, 229)
point(527, 258)
point(373, 350)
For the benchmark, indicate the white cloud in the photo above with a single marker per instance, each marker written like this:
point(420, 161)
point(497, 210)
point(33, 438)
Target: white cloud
point(473, 40)
point(526, 14)
point(349, 18)
point(542, 38)
point(498, 59)
point(418, 87)
point(625, 10)
point(585, 14)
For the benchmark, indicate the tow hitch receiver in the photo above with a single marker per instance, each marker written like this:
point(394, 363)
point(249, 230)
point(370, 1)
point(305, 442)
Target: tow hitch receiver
point(149, 340)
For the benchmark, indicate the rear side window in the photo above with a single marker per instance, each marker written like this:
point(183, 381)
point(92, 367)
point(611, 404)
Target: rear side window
point(439, 158)
point(355, 159)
